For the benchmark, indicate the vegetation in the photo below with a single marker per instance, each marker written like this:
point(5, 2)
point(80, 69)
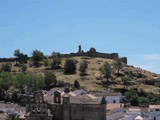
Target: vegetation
point(138, 97)
point(24, 68)
point(83, 68)
point(16, 54)
point(50, 79)
point(37, 56)
point(56, 54)
point(46, 62)
point(6, 80)
point(30, 81)
point(56, 63)
point(7, 67)
point(117, 65)
point(16, 80)
point(126, 81)
point(70, 66)
point(76, 84)
point(106, 70)
point(20, 57)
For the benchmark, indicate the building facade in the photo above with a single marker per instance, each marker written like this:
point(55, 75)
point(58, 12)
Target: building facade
point(65, 107)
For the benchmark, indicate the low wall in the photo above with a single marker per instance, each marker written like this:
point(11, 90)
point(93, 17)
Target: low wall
point(7, 59)
point(102, 55)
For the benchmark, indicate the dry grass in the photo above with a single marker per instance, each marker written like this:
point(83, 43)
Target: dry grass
point(89, 82)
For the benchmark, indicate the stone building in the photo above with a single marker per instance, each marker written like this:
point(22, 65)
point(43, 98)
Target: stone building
point(37, 109)
point(93, 53)
point(65, 107)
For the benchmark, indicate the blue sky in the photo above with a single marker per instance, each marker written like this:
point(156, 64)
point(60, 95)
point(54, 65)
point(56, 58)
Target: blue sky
point(128, 27)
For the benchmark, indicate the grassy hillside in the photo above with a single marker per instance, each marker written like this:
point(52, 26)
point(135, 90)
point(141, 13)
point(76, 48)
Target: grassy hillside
point(94, 80)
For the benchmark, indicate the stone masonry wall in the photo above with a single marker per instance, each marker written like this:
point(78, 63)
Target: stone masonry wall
point(87, 112)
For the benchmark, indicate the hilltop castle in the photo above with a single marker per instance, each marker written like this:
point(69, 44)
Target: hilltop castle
point(93, 53)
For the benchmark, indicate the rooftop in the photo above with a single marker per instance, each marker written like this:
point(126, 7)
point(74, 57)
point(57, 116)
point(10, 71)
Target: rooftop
point(154, 106)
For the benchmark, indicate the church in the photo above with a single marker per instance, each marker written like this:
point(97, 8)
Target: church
point(64, 107)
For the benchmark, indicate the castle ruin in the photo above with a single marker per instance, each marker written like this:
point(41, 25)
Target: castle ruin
point(93, 53)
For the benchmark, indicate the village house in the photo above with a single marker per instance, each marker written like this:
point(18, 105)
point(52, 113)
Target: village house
point(154, 112)
point(110, 97)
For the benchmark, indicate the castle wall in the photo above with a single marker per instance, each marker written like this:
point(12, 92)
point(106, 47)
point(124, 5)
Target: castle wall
point(57, 111)
point(76, 112)
point(124, 60)
point(87, 112)
point(93, 112)
point(80, 111)
point(102, 55)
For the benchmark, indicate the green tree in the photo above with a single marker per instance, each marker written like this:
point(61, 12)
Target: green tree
point(132, 97)
point(37, 56)
point(21, 81)
point(56, 54)
point(56, 63)
point(70, 66)
point(83, 68)
point(46, 63)
point(143, 102)
point(106, 70)
point(37, 82)
point(6, 80)
point(16, 54)
point(12, 116)
point(76, 84)
point(6, 67)
point(126, 81)
point(117, 64)
point(50, 78)
point(20, 57)
point(32, 81)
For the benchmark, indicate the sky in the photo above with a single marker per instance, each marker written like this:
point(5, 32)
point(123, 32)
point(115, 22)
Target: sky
point(128, 27)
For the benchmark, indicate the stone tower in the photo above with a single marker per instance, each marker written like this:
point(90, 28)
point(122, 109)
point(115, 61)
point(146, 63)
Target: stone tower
point(66, 107)
point(79, 49)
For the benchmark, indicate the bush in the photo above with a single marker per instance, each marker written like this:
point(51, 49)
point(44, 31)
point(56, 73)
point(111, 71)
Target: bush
point(24, 68)
point(6, 67)
point(46, 63)
point(76, 84)
point(56, 62)
point(50, 79)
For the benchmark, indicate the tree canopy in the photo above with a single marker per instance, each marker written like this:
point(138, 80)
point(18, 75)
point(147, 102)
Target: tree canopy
point(83, 68)
point(37, 56)
point(70, 66)
point(50, 79)
point(117, 64)
point(106, 70)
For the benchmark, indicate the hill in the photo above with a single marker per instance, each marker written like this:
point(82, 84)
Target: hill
point(94, 80)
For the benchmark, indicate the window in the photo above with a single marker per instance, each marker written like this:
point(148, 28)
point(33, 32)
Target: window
point(114, 101)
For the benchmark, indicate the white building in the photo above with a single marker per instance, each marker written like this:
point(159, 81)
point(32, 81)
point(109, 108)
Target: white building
point(110, 97)
point(154, 112)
